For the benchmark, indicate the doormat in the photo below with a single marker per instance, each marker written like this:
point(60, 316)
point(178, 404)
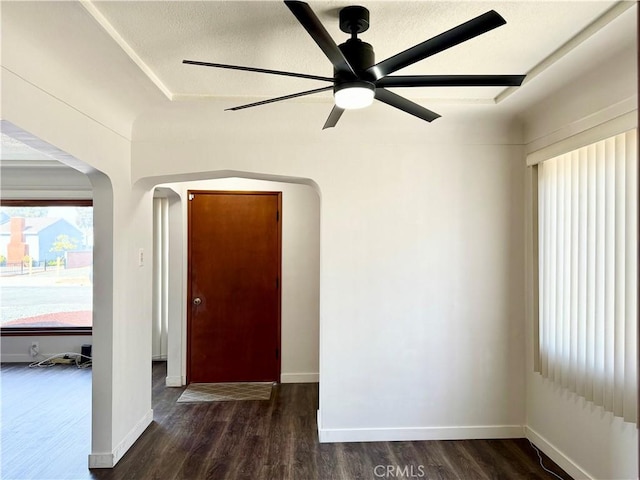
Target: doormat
point(223, 392)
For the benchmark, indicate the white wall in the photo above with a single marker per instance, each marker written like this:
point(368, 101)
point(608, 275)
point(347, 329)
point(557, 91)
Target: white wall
point(300, 275)
point(583, 439)
point(421, 290)
point(43, 180)
point(58, 93)
point(16, 349)
point(421, 244)
point(122, 221)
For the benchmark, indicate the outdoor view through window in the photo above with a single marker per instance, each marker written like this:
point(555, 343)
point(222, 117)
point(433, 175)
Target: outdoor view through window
point(46, 262)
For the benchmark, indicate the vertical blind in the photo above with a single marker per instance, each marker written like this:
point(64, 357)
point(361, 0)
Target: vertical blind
point(588, 272)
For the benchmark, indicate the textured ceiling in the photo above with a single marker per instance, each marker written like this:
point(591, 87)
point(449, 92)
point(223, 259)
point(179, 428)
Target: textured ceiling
point(159, 35)
point(552, 42)
point(14, 150)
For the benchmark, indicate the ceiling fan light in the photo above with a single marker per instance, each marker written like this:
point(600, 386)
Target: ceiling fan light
point(355, 95)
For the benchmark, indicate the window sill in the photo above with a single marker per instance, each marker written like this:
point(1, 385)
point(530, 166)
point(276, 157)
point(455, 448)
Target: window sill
point(43, 331)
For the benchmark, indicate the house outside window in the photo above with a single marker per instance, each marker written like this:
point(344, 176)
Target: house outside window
point(46, 267)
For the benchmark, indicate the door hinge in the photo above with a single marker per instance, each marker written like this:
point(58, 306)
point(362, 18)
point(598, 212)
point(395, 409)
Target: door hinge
point(277, 215)
point(277, 353)
point(277, 283)
point(191, 196)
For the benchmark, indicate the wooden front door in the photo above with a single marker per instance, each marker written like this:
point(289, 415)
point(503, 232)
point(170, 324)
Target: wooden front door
point(233, 319)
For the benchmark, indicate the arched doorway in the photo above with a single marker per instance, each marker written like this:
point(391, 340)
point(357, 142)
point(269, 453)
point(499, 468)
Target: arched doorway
point(300, 269)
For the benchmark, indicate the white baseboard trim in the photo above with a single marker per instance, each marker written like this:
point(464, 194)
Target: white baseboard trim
point(109, 460)
point(551, 451)
point(337, 435)
point(23, 357)
point(101, 460)
point(175, 381)
point(299, 378)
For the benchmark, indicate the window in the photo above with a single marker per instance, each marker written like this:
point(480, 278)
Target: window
point(46, 267)
point(587, 226)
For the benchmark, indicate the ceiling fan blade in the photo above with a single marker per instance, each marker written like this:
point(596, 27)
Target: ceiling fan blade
point(461, 33)
point(312, 25)
point(258, 70)
point(451, 81)
point(405, 105)
point(334, 116)
point(278, 99)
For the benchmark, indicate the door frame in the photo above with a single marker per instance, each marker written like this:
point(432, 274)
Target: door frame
point(278, 195)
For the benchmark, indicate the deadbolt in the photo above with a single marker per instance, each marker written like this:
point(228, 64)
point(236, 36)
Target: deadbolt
point(197, 301)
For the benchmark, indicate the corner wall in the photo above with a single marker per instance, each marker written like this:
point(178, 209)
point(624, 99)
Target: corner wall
point(421, 255)
point(583, 439)
point(121, 407)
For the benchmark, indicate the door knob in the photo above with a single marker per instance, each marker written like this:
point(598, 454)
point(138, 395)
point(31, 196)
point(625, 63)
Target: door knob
point(197, 301)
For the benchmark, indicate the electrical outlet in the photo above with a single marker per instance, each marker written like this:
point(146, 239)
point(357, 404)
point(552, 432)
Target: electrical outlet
point(35, 349)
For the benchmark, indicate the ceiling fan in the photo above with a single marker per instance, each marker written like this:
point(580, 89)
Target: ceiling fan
point(358, 80)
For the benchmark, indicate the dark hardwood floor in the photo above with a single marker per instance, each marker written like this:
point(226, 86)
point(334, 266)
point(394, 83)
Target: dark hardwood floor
point(46, 436)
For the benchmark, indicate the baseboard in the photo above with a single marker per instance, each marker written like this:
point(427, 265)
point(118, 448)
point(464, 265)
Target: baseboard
point(180, 381)
point(101, 460)
point(337, 435)
point(299, 378)
point(109, 460)
point(27, 358)
point(551, 451)
point(23, 357)
point(175, 381)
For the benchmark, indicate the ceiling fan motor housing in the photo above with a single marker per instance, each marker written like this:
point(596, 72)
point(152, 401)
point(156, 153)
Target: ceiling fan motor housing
point(360, 56)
